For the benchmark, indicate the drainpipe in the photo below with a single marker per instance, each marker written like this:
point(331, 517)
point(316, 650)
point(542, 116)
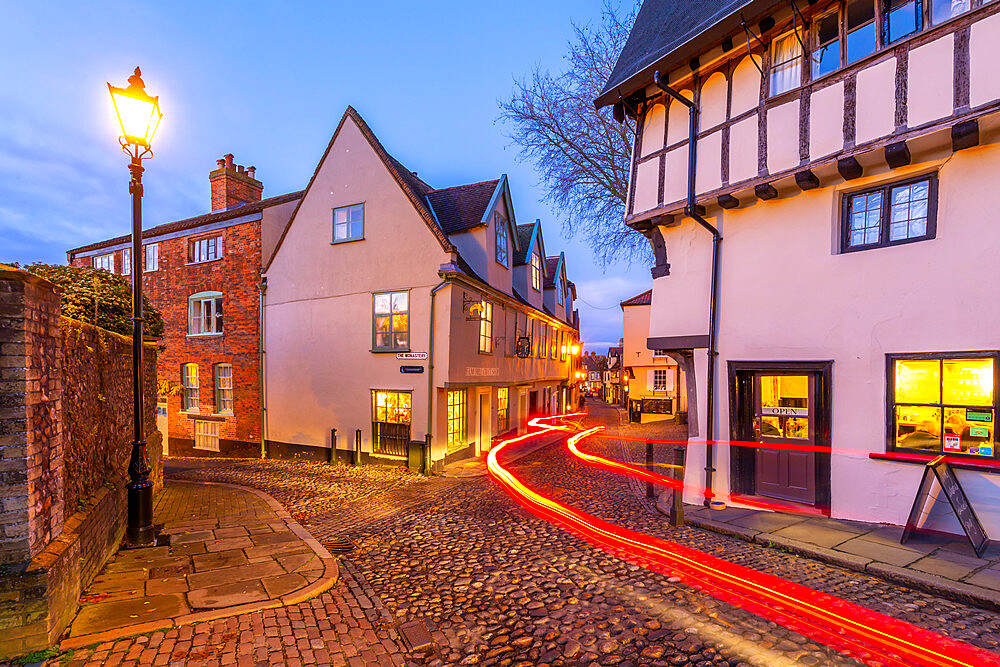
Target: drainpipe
point(691, 210)
point(430, 381)
point(262, 288)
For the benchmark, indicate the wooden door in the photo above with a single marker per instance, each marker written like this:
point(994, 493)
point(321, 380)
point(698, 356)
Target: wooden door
point(785, 415)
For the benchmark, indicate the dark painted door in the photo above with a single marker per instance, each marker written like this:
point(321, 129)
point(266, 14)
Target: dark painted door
point(533, 404)
point(785, 416)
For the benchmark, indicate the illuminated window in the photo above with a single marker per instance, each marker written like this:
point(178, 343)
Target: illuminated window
point(543, 348)
point(127, 261)
point(786, 63)
point(391, 422)
point(106, 262)
point(943, 404)
point(189, 380)
point(224, 388)
point(536, 272)
point(349, 223)
point(457, 423)
point(205, 249)
point(391, 326)
point(205, 314)
point(503, 409)
point(206, 435)
point(502, 243)
point(486, 328)
point(890, 215)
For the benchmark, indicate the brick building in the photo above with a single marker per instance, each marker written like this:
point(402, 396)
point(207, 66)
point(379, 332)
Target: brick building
point(203, 273)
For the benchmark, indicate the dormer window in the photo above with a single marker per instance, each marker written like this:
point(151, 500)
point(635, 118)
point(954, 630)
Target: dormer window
point(502, 244)
point(536, 272)
point(559, 292)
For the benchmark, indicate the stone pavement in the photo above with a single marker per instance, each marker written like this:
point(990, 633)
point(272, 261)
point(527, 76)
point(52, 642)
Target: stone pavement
point(476, 466)
point(231, 550)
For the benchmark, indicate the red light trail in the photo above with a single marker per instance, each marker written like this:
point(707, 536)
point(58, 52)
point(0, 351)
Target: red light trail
point(869, 636)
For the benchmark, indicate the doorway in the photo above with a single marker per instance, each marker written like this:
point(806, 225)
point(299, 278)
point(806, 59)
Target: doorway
point(485, 432)
point(781, 428)
point(532, 404)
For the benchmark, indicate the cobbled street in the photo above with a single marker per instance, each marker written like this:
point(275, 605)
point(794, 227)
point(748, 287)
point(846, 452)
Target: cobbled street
point(498, 586)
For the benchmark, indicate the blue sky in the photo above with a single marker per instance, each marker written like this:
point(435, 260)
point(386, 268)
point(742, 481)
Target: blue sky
point(268, 82)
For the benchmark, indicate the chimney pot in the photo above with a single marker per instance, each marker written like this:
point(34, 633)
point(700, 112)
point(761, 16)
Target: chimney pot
point(231, 185)
point(252, 171)
point(229, 160)
point(239, 168)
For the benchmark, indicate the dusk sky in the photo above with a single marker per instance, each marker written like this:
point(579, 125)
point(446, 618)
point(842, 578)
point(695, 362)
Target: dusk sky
point(269, 82)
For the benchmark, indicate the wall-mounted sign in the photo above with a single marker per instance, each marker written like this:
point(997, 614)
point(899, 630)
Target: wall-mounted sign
point(411, 356)
point(785, 412)
point(411, 369)
point(477, 371)
point(978, 415)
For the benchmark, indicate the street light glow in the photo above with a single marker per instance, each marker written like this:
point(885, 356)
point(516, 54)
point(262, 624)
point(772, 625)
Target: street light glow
point(138, 114)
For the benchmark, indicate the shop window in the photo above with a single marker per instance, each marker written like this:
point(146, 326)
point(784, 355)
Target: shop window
point(205, 314)
point(862, 36)
point(391, 422)
point(224, 388)
point(151, 259)
point(349, 223)
point(892, 214)
point(900, 18)
point(942, 10)
point(189, 381)
point(786, 63)
point(502, 240)
point(127, 261)
point(486, 328)
point(106, 262)
point(391, 326)
point(503, 410)
point(943, 404)
point(205, 249)
point(457, 420)
point(206, 435)
point(826, 54)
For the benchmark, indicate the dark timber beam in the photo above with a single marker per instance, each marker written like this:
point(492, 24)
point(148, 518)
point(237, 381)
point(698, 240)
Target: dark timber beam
point(806, 180)
point(849, 168)
point(897, 155)
point(965, 135)
point(728, 201)
point(765, 191)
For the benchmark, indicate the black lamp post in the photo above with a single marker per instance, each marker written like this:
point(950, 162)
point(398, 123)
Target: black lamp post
point(139, 116)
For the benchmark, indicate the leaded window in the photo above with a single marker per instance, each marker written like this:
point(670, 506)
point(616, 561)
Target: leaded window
point(206, 435)
point(890, 215)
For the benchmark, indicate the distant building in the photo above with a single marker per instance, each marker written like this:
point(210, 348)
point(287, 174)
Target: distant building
point(615, 389)
point(595, 367)
point(656, 388)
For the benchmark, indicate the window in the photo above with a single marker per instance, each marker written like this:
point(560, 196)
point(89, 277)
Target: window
point(826, 54)
point(106, 262)
point(502, 242)
point(543, 348)
point(456, 420)
point(900, 18)
point(391, 422)
point(486, 328)
point(559, 292)
point(786, 63)
point(206, 435)
point(204, 249)
point(660, 353)
point(659, 379)
point(224, 388)
point(557, 337)
point(391, 329)
point(942, 10)
point(536, 272)
point(943, 403)
point(126, 261)
point(205, 314)
point(861, 33)
point(890, 215)
point(349, 223)
point(189, 379)
point(503, 410)
point(152, 257)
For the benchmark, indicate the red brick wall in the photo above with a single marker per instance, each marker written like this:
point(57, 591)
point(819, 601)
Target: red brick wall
point(231, 187)
point(237, 276)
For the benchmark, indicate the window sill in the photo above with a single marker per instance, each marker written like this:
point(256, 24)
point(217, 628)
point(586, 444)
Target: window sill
point(390, 351)
point(204, 335)
point(960, 462)
point(342, 241)
point(204, 261)
point(222, 415)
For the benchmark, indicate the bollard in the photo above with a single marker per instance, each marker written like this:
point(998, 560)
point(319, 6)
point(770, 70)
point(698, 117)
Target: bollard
point(357, 447)
point(677, 506)
point(333, 445)
point(649, 466)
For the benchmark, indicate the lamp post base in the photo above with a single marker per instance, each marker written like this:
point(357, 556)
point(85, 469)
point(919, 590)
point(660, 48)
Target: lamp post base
point(140, 532)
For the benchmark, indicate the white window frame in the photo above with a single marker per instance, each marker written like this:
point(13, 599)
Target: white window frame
point(191, 397)
point(458, 420)
point(204, 249)
point(208, 321)
point(106, 262)
point(502, 241)
point(206, 435)
point(536, 272)
point(126, 261)
point(151, 257)
point(486, 328)
point(224, 393)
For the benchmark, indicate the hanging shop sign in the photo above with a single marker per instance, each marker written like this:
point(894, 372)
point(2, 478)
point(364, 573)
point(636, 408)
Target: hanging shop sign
point(411, 369)
point(523, 348)
point(785, 412)
point(411, 356)
point(939, 470)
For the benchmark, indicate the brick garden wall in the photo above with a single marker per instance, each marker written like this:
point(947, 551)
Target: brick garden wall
point(65, 434)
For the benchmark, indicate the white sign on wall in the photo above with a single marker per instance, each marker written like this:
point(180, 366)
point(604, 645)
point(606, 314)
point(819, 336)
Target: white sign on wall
point(411, 356)
point(785, 412)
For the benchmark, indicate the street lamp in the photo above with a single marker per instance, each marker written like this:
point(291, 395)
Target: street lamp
point(139, 116)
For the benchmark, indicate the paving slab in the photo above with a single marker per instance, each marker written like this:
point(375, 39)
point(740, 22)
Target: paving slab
point(767, 522)
point(955, 566)
point(814, 532)
point(283, 584)
point(893, 555)
point(232, 575)
point(219, 560)
point(108, 615)
point(989, 578)
point(227, 595)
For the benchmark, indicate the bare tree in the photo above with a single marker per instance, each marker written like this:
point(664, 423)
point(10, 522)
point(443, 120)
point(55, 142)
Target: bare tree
point(582, 154)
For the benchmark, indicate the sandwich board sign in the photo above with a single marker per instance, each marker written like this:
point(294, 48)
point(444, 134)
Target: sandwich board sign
point(940, 470)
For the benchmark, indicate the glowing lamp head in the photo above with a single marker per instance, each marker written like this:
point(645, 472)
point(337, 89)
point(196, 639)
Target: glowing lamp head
point(138, 113)
point(576, 349)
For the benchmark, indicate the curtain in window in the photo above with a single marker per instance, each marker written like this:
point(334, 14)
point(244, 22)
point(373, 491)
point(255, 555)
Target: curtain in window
point(786, 63)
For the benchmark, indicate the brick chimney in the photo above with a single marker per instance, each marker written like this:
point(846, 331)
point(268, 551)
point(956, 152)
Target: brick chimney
point(233, 185)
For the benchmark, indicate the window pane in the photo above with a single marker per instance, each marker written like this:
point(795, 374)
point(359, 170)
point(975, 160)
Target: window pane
point(340, 231)
point(860, 12)
point(797, 427)
point(968, 382)
point(357, 229)
point(340, 216)
point(786, 72)
point(401, 340)
point(903, 18)
point(382, 324)
point(400, 322)
point(400, 302)
point(382, 304)
point(918, 427)
point(860, 42)
point(942, 10)
point(357, 213)
point(383, 340)
point(918, 381)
